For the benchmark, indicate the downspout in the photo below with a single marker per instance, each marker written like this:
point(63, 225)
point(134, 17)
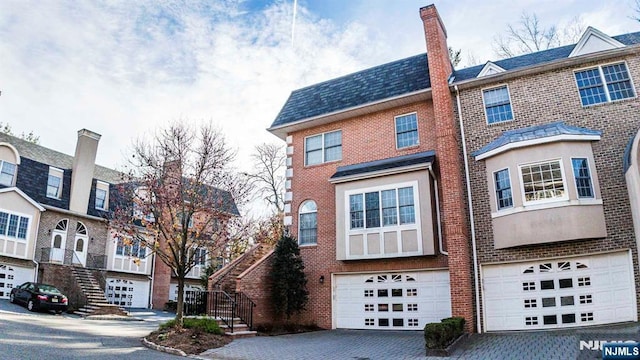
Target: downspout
point(435, 184)
point(35, 246)
point(471, 219)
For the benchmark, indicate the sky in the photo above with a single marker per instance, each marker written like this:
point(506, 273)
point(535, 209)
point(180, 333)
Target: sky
point(126, 68)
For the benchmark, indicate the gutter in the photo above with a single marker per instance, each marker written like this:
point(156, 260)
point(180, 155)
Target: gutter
point(435, 184)
point(476, 274)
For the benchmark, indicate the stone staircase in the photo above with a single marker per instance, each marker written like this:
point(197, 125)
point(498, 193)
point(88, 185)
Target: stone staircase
point(96, 301)
point(240, 329)
point(225, 278)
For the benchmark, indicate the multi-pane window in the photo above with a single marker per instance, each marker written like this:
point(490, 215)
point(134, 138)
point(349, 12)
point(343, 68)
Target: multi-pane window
point(503, 189)
point(407, 130)
point(382, 208)
point(543, 181)
point(102, 195)
point(135, 248)
point(497, 104)
point(54, 183)
point(200, 257)
point(604, 84)
point(323, 148)
point(582, 177)
point(12, 225)
point(7, 173)
point(308, 224)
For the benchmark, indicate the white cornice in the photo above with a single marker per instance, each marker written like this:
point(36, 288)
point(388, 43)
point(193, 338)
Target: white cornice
point(25, 196)
point(589, 34)
point(379, 173)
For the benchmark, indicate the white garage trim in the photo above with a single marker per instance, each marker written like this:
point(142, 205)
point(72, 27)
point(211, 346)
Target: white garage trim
point(11, 276)
point(128, 293)
point(406, 300)
point(173, 290)
point(559, 293)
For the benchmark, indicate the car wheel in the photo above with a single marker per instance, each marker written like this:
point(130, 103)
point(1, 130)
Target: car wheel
point(31, 306)
point(12, 298)
point(58, 312)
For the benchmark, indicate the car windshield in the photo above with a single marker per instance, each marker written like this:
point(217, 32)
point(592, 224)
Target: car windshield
point(48, 289)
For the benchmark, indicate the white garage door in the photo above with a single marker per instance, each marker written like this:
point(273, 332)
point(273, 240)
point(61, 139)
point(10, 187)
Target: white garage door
point(173, 290)
point(590, 290)
point(128, 293)
point(12, 276)
point(393, 301)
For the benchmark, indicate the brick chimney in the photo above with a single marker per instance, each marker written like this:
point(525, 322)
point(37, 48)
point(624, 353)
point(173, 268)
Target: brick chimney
point(449, 162)
point(82, 172)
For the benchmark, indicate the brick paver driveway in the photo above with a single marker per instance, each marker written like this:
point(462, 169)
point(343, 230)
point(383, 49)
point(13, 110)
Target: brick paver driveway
point(383, 345)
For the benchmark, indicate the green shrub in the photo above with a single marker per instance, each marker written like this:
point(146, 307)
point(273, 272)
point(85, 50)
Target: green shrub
point(440, 335)
point(207, 325)
point(457, 324)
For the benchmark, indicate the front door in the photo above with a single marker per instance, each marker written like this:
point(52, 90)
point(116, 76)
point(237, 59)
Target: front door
point(58, 242)
point(80, 251)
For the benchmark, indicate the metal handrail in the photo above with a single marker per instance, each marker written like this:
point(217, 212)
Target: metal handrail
point(220, 305)
point(69, 257)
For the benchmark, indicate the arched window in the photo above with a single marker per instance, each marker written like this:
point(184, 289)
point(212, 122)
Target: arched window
point(81, 229)
point(308, 224)
point(62, 225)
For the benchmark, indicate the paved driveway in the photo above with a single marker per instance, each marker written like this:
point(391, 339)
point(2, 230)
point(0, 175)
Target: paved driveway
point(383, 345)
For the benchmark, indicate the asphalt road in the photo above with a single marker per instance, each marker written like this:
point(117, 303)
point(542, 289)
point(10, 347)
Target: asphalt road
point(25, 335)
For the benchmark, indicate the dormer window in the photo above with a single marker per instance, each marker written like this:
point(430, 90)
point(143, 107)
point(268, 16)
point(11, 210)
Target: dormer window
point(102, 195)
point(54, 183)
point(7, 173)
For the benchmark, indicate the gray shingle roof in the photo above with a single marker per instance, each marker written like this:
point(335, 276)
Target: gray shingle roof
point(536, 58)
point(56, 159)
point(367, 86)
point(533, 133)
point(385, 164)
point(394, 79)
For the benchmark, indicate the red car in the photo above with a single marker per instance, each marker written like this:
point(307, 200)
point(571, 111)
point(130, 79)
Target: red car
point(39, 297)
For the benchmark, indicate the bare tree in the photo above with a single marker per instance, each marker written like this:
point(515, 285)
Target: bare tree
point(636, 9)
point(180, 195)
point(30, 137)
point(455, 56)
point(268, 175)
point(529, 35)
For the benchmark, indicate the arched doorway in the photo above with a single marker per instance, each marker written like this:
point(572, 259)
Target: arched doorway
point(80, 245)
point(59, 241)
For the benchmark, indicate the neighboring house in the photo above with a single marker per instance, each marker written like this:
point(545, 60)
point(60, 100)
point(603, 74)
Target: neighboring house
point(54, 211)
point(377, 194)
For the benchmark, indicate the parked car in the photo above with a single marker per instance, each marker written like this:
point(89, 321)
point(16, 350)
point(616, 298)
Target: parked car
point(38, 296)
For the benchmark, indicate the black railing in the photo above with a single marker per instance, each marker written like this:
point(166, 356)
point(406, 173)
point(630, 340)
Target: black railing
point(220, 305)
point(70, 257)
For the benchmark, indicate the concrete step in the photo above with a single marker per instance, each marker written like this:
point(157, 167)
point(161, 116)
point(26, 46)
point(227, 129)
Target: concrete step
point(241, 334)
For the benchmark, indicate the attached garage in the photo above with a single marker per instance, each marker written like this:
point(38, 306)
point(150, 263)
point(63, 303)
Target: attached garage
point(391, 301)
point(12, 276)
point(559, 293)
point(128, 293)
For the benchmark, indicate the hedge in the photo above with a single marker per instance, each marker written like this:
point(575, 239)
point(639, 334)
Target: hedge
point(440, 335)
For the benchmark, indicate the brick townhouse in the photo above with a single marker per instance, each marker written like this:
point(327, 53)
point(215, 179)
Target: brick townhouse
point(502, 192)
point(54, 228)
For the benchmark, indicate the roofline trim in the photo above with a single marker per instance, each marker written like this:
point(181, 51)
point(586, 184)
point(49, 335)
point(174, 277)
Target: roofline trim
point(379, 173)
point(69, 212)
point(540, 141)
point(559, 63)
point(274, 129)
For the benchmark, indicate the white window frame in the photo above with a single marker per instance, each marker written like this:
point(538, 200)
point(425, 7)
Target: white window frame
point(395, 130)
point(495, 189)
point(565, 197)
point(59, 173)
point(593, 190)
point(101, 185)
point(300, 222)
point(5, 234)
point(323, 149)
point(484, 105)
point(13, 176)
point(606, 88)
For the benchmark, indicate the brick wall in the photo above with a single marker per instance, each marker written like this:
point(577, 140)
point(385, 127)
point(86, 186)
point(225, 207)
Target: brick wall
point(544, 98)
point(97, 232)
point(256, 285)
